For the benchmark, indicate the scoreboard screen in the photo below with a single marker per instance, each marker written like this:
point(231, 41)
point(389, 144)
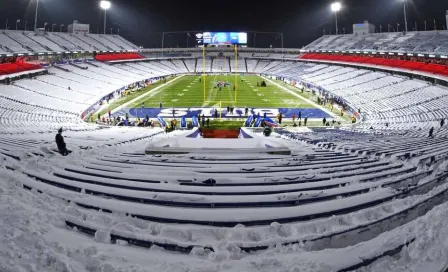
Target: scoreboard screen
point(222, 38)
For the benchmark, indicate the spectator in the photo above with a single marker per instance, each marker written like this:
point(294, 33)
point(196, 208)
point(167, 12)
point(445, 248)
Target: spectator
point(300, 115)
point(324, 121)
point(306, 120)
point(246, 111)
point(62, 147)
point(208, 122)
point(160, 105)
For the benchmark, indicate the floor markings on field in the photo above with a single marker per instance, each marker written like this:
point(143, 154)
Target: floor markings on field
point(184, 90)
point(181, 94)
point(256, 90)
point(174, 100)
point(324, 109)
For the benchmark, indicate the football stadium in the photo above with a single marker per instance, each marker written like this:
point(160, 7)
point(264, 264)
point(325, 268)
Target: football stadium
point(218, 150)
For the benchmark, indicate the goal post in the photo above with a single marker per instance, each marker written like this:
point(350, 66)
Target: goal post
point(206, 95)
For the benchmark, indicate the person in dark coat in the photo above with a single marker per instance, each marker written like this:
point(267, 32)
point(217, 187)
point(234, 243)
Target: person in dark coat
point(306, 120)
point(216, 113)
point(300, 115)
point(431, 132)
point(246, 111)
point(324, 121)
point(62, 147)
point(280, 119)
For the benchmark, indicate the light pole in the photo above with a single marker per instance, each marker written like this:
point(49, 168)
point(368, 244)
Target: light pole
point(105, 5)
point(405, 16)
point(60, 27)
point(52, 27)
point(35, 15)
point(336, 7)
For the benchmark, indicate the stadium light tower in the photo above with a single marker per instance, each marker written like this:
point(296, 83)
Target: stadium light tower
point(405, 16)
point(105, 5)
point(336, 7)
point(35, 15)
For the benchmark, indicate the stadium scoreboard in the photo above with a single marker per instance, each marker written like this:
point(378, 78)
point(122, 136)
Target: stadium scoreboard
point(221, 38)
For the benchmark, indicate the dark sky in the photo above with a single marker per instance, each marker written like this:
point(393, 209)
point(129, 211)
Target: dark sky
point(301, 21)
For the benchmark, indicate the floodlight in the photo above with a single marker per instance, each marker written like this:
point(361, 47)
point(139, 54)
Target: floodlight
point(105, 5)
point(336, 6)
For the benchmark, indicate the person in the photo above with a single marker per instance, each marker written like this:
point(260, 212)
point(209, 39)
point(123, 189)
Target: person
point(324, 121)
point(280, 119)
point(199, 118)
point(203, 122)
point(62, 147)
point(147, 117)
point(127, 116)
point(160, 104)
point(228, 109)
point(265, 115)
point(442, 122)
point(293, 117)
point(143, 104)
point(208, 122)
point(110, 113)
point(306, 120)
point(431, 132)
point(216, 113)
point(300, 115)
point(246, 111)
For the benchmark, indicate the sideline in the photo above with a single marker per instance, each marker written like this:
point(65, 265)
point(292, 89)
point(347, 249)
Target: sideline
point(335, 116)
point(143, 95)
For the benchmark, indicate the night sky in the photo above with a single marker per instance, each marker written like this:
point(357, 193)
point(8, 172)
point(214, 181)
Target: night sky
point(143, 21)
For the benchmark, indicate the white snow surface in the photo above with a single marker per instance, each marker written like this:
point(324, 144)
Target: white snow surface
point(34, 236)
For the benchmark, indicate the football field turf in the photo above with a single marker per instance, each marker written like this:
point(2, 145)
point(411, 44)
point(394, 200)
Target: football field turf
point(188, 91)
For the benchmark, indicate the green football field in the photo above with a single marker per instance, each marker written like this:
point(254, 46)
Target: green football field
point(188, 91)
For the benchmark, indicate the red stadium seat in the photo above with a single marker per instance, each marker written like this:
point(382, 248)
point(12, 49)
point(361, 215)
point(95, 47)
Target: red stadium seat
point(410, 65)
point(119, 56)
point(17, 67)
